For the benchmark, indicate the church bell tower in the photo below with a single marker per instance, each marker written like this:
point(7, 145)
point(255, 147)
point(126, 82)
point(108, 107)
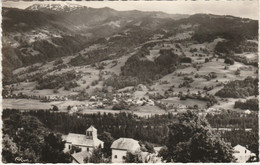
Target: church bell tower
point(91, 133)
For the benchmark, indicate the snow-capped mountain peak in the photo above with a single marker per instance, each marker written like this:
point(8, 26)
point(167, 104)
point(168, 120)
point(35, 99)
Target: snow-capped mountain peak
point(56, 7)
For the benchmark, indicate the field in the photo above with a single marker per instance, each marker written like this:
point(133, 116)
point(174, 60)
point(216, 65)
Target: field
point(204, 62)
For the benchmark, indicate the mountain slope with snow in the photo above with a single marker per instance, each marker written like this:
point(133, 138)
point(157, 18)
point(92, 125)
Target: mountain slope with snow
point(55, 7)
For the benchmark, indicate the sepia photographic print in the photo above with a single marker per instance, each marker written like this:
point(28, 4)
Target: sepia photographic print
point(130, 82)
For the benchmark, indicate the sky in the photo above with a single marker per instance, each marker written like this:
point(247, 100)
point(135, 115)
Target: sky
point(240, 8)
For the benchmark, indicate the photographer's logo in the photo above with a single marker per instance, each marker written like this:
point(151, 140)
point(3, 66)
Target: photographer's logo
point(21, 160)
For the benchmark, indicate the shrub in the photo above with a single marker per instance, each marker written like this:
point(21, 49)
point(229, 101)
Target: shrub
point(229, 61)
point(185, 60)
point(120, 106)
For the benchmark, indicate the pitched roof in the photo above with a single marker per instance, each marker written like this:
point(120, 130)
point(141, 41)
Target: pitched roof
point(239, 148)
point(80, 156)
point(80, 139)
point(91, 128)
point(126, 144)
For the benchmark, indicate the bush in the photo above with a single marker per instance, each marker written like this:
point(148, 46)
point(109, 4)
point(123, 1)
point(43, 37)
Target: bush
point(55, 90)
point(94, 83)
point(55, 108)
point(185, 60)
point(229, 61)
point(120, 106)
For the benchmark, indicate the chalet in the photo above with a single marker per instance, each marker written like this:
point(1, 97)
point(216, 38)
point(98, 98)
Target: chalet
point(114, 101)
point(139, 102)
point(86, 142)
point(93, 98)
point(141, 87)
point(248, 112)
point(73, 109)
point(121, 146)
point(242, 154)
point(150, 102)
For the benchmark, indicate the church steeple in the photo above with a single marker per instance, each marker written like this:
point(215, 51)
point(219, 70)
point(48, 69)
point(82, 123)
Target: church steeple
point(91, 133)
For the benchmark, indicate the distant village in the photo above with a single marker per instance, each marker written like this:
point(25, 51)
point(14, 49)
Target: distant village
point(124, 99)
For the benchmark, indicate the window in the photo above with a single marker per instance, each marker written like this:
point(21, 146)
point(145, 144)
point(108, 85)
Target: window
point(87, 149)
point(115, 156)
point(124, 157)
point(69, 147)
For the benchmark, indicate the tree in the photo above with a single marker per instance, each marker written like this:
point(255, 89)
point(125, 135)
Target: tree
point(229, 61)
point(254, 142)
point(69, 107)
point(237, 72)
point(133, 157)
point(163, 153)
point(52, 150)
point(108, 140)
point(55, 108)
point(191, 139)
point(149, 147)
point(96, 157)
point(28, 140)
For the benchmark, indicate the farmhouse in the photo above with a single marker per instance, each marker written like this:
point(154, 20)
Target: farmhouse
point(248, 112)
point(121, 146)
point(242, 154)
point(86, 142)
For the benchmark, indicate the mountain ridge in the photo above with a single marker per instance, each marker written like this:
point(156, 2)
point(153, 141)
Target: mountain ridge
point(25, 31)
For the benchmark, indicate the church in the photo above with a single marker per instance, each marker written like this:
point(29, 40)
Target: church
point(86, 142)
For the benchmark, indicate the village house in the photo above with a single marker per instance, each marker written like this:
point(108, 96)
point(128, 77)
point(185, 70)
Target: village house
point(242, 154)
point(248, 112)
point(86, 142)
point(121, 146)
point(80, 156)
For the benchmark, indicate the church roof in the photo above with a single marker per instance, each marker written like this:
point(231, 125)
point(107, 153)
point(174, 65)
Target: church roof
point(91, 128)
point(80, 139)
point(126, 144)
point(80, 156)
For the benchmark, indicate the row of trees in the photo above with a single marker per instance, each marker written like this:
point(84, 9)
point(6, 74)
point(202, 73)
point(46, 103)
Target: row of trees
point(119, 125)
point(188, 137)
point(153, 127)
